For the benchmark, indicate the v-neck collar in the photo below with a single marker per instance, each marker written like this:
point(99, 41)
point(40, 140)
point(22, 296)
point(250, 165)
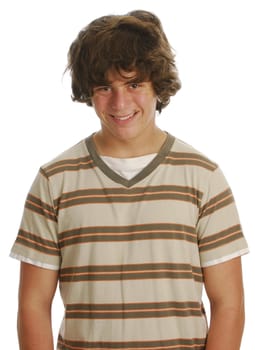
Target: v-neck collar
point(163, 152)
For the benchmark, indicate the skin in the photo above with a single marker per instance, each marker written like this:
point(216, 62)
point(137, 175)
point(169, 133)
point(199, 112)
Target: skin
point(224, 287)
point(36, 291)
point(127, 109)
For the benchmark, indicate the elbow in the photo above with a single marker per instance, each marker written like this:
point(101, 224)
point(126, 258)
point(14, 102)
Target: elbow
point(231, 313)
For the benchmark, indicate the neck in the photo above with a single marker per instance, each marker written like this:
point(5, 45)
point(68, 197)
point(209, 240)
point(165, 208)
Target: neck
point(129, 148)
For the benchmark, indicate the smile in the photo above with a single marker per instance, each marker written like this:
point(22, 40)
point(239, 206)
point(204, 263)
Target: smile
point(123, 118)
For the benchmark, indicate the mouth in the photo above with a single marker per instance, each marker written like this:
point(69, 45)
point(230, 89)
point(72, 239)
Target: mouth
point(124, 117)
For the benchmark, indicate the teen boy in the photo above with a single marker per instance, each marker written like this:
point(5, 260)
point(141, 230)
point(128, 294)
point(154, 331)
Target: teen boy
point(131, 221)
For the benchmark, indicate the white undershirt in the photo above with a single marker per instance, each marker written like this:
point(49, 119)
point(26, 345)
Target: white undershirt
point(128, 167)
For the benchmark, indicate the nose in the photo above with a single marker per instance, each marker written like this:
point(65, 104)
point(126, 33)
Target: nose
point(120, 99)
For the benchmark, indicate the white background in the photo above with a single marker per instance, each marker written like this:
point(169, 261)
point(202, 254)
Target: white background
point(214, 110)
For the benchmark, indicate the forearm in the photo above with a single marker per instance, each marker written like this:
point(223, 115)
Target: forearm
point(226, 328)
point(34, 330)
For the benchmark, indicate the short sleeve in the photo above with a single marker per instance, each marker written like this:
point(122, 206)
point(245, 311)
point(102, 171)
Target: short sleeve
point(220, 235)
point(37, 239)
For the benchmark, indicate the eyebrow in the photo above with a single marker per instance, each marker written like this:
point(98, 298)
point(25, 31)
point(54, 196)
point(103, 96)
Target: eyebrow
point(109, 83)
point(135, 79)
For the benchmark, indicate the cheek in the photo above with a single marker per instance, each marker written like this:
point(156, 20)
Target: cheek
point(146, 98)
point(98, 105)
point(149, 102)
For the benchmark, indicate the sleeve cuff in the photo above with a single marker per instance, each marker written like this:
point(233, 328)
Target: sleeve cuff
point(34, 262)
point(225, 258)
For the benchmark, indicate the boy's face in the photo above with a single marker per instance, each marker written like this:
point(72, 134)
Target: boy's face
point(126, 107)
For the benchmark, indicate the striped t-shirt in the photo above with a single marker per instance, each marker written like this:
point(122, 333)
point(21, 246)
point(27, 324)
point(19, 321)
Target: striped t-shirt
point(130, 252)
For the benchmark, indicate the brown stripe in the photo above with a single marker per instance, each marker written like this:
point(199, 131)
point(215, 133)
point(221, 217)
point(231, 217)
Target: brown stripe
point(134, 310)
point(36, 205)
point(221, 238)
point(35, 242)
point(181, 158)
point(123, 195)
point(130, 272)
point(172, 344)
point(218, 202)
point(127, 233)
point(75, 164)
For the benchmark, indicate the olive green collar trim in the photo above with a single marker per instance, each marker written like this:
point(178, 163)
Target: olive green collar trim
point(163, 152)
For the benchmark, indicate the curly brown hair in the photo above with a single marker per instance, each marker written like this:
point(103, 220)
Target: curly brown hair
point(132, 42)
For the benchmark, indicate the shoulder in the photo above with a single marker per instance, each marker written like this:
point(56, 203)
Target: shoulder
point(71, 159)
point(76, 151)
point(183, 153)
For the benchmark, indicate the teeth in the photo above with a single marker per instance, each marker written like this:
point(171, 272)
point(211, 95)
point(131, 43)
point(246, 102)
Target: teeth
point(124, 118)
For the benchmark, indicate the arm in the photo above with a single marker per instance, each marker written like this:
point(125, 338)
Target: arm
point(224, 287)
point(36, 291)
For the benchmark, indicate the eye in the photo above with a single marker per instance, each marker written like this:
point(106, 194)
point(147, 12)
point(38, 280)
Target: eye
point(102, 90)
point(134, 85)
